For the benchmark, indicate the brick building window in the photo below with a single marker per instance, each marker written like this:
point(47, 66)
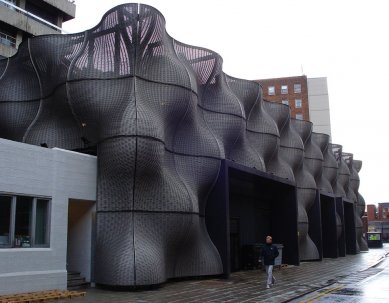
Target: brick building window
point(24, 221)
point(284, 89)
point(271, 90)
point(297, 88)
point(297, 103)
point(286, 102)
point(299, 116)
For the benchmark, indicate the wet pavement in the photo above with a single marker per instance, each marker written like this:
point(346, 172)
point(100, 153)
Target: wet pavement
point(355, 277)
point(368, 286)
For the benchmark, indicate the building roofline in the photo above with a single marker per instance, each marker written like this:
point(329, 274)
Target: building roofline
point(280, 78)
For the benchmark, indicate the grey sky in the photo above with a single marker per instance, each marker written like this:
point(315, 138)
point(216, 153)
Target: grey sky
point(345, 41)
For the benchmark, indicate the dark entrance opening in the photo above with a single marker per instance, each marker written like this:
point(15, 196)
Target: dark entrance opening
point(245, 206)
point(350, 231)
point(250, 218)
point(341, 238)
point(329, 226)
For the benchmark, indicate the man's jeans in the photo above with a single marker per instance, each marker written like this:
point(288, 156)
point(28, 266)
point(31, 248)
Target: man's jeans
point(269, 271)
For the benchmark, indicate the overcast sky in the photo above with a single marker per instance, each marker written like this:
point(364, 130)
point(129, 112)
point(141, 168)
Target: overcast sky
point(345, 41)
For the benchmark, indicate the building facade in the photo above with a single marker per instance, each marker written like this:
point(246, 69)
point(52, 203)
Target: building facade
point(378, 219)
point(319, 105)
point(21, 19)
point(383, 211)
point(306, 97)
point(292, 91)
point(371, 212)
point(47, 197)
point(380, 213)
point(191, 164)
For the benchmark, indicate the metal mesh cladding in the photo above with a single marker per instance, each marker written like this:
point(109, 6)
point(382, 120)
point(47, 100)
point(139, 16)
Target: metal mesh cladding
point(163, 115)
point(355, 166)
point(329, 166)
point(308, 167)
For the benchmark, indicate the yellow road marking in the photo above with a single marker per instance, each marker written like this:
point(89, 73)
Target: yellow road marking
point(321, 295)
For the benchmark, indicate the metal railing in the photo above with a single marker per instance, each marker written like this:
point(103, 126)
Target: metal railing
point(32, 16)
point(7, 40)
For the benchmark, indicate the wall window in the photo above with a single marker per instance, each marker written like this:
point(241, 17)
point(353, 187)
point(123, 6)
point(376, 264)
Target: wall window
point(271, 90)
point(284, 89)
point(299, 116)
point(41, 222)
point(297, 88)
point(286, 102)
point(297, 103)
point(5, 220)
point(7, 39)
point(24, 221)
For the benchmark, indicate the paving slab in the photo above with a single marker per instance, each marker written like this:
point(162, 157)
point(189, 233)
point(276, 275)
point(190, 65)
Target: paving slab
point(249, 286)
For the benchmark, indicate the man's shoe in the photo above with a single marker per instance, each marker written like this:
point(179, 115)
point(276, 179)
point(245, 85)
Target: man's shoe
point(274, 281)
point(268, 286)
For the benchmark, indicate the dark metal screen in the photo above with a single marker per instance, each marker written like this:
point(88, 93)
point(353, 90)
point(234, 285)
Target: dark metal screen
point(162, 115)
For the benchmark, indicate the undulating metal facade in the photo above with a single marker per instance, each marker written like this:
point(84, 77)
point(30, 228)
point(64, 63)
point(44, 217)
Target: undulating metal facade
point(163, 116)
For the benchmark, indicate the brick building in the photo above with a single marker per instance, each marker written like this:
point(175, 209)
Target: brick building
point(307, 98)
point(371, 212)
point(292, 91)
point(378, 219)
point(383, 211)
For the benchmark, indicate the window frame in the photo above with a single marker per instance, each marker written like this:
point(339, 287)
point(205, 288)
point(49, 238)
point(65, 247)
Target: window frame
point(285, 101)
point(294, 88)
point(298, 115)
point(11, 227)
point(300, 103)
point(32, 223)
point(274, 90)
point(284, 91)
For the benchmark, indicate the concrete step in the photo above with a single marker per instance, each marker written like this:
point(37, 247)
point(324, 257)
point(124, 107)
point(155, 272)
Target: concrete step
point(76, 281)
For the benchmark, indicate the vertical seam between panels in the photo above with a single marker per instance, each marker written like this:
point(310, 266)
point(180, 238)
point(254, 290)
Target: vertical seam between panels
point(136, 41)
point(40, 92)
point(70, 69)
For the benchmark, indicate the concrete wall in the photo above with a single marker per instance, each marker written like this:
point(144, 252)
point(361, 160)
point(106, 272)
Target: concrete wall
point(319, 106)
point(24, 23)
point(7, 51)
point(65, 6)
point(60, 175)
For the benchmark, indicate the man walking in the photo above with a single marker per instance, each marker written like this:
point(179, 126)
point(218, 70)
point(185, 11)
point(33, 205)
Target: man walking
point(269, 253)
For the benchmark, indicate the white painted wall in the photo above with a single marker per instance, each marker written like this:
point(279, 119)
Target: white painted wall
point(60, 175)
point(319, 106)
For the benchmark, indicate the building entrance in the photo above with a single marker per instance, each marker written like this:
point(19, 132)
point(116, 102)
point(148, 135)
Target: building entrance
point(81, 222)
point(244, 207)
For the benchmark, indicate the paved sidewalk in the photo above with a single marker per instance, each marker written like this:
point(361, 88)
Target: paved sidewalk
point(247, 286)
point(367, 286)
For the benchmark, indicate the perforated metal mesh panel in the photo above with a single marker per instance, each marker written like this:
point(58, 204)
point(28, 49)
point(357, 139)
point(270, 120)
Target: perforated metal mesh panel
point(309, 166)
point(355, 166)
point(328, 174)
point(163, 115)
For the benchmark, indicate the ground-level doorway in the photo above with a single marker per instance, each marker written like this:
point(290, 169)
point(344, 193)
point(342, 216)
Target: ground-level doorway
point(250, 221)
point(244, 207)
point(350, 231)
point(81, 231)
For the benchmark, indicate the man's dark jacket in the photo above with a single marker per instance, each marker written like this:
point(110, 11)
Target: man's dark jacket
point(269, 253)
